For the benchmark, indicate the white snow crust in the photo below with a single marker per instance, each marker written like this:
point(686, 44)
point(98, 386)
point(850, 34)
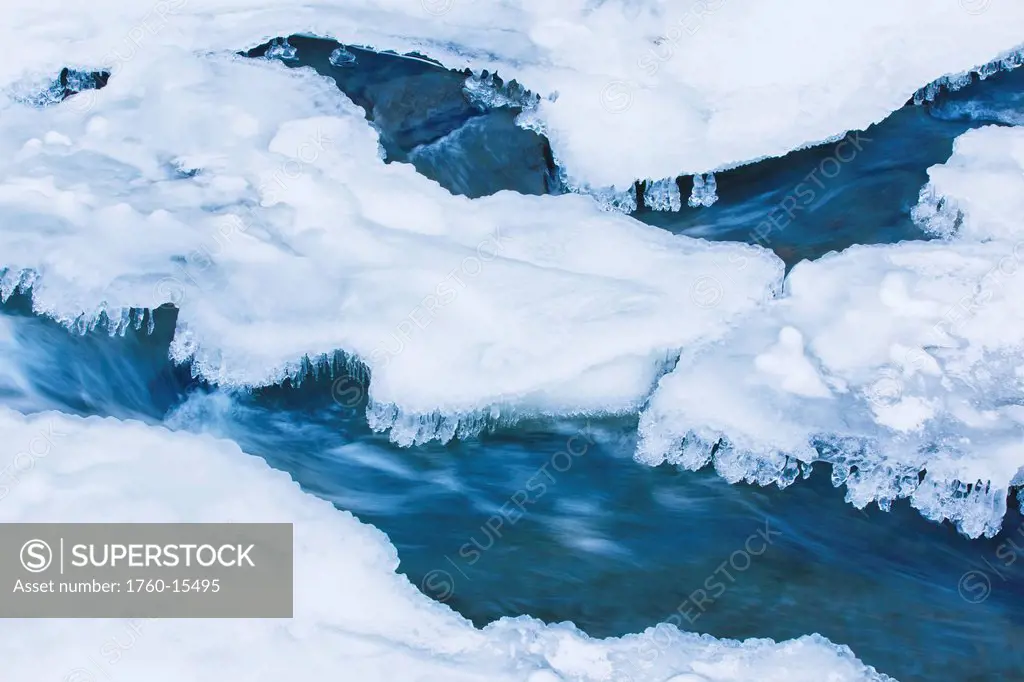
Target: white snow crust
point(253, 198)
point(888, 361)
point(632, 89)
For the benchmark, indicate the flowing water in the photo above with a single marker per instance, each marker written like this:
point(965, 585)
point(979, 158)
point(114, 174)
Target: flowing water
point(554, 518)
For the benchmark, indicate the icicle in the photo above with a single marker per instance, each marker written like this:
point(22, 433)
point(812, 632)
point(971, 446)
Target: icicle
point(705, 190)
point(281, 49)
point(487, 90)
point(662, 195)
point(611, 199)
point(954, 82)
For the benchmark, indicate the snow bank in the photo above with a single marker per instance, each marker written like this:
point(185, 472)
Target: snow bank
point(355, 618)
point(253, 198)
point(979, 193)
point(633, 88)
point(900, 364)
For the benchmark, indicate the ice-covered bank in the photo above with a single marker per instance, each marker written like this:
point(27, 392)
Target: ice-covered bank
point(355, 618)
point(634, 88)
point(253, 198)
point(900, 364)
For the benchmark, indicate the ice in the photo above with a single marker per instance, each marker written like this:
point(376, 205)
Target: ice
point(629, 89)
point(342, 57)
point(662, 195)
point(893, 359)
point(355, 617)
point(280, 49)
point(954, 82)
point(253, 197)
point(608, 198)
point(705, 191)
point(979, 193)
point(488, 91)
point(255, 200)
point(47, 92)
point(1001, 102)
point(899, 364)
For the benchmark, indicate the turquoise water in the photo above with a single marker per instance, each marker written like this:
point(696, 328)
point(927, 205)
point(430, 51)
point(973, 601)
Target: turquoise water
point(554, 518)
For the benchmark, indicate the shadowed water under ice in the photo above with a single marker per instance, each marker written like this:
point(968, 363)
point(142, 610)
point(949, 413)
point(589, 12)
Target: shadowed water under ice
point(858, 190)
point(425, 116)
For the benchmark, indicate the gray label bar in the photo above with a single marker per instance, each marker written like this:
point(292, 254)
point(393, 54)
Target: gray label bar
point(146, 570)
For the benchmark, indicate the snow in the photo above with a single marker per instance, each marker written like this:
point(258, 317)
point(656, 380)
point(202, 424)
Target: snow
point(631, 89)
point(979, 193)
point(355, 617)
point(887, 361)
point(253, 197)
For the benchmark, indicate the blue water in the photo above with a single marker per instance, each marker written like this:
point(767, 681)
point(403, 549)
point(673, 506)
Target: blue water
point(419, 110)
point(509, 523)
point(596, 538)
point(859, 190)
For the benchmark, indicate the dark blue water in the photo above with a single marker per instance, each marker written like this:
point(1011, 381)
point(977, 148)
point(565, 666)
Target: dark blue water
point(859, 190)
point(554, 518)
point(423, 116)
